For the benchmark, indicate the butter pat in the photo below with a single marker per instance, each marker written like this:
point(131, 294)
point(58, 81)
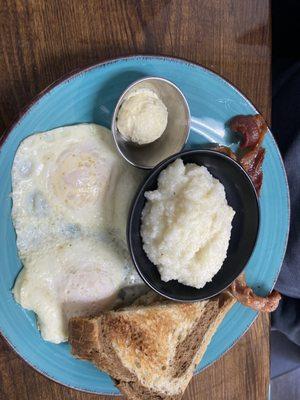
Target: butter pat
point(142, 117)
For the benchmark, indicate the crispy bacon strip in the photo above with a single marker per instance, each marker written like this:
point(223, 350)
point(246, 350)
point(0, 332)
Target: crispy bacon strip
point(252, 163)
point(252, 128)
point(252, 160)
point(248, 298)
point(227, 151)
point(257, 181)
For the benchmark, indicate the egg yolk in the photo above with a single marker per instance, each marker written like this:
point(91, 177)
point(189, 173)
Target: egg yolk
point(80, 178)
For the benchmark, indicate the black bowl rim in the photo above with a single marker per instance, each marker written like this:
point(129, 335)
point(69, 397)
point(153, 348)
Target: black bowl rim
point(141, 190)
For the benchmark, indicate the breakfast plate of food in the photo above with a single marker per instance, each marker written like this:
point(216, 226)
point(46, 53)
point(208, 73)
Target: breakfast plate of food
point(144, 220)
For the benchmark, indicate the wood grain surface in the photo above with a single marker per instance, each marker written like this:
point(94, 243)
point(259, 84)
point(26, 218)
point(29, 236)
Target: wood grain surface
point(42, 40)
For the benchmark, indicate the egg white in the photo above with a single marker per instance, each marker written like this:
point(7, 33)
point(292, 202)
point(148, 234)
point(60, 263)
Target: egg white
point(79, 278)
point(71, 196)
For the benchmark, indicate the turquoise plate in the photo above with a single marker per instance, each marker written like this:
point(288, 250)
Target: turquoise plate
point(90, 96)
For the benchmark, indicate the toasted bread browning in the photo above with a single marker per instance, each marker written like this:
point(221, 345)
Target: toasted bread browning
point(152, 347)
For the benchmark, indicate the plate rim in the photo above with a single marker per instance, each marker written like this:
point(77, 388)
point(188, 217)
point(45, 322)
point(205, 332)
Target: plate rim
point(106, 62)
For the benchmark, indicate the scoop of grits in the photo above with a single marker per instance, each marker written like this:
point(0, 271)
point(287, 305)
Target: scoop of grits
point(143, 117)
point(186, 224)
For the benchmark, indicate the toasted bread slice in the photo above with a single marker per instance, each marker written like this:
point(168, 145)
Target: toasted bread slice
point(152, 347)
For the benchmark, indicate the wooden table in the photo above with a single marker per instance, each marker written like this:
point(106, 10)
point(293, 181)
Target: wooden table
point(43, 40)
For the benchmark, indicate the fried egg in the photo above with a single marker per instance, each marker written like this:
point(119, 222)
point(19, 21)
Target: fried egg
point(71, 197)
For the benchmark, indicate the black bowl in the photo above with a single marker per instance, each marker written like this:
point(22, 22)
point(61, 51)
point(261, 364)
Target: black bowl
point(241, 196)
